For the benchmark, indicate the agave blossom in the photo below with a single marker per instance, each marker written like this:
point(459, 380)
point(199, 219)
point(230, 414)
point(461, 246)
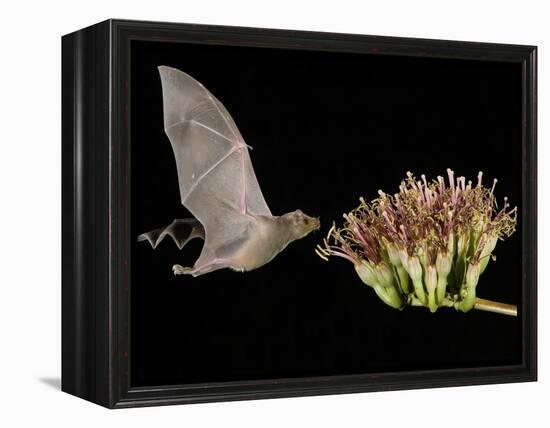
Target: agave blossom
point(425, 245)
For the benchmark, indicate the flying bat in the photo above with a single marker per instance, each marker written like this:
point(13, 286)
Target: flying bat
point(218, 186)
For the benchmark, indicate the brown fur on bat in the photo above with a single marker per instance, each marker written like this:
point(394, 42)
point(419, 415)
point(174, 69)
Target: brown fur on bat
point(218, 185)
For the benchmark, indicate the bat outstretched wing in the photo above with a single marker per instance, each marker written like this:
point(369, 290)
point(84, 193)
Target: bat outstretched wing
point(216, 178)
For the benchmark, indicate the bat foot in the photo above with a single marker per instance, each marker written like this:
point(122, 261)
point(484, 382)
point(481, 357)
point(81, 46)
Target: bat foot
point(180, 270)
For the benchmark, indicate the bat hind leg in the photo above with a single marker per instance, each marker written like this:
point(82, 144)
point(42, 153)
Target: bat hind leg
point(180, 270)
point(202, 269)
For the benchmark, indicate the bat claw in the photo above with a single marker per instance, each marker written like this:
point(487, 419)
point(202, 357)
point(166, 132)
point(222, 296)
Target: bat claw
point(180, 270)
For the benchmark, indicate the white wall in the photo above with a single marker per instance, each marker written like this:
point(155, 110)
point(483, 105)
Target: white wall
point(30, 212)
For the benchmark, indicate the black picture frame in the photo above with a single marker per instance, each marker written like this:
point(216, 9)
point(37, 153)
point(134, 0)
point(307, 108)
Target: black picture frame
point(95, 213)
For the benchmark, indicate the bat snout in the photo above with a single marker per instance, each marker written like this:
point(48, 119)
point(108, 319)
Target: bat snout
point(315, 223)
point(312, 224)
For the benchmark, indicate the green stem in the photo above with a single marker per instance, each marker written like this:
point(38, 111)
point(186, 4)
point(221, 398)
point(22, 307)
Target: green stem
point(441, 288)
point(447, 303)
point(389, 296)
point(432, 303)
point(413, 301)
point(479, 304)
point(403, 279)
point(468, 302)
point(419, 291)
point(491, 306)
point(395, 297)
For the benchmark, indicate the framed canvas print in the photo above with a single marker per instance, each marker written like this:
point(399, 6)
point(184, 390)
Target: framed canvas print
point(253, 213)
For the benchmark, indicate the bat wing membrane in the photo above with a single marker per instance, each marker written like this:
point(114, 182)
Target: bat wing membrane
point(216, 178)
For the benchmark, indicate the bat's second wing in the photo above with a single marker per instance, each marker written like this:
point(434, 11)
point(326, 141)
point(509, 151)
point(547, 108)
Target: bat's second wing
point(216, 178)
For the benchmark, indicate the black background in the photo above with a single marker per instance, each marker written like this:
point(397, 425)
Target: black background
point(325, 128)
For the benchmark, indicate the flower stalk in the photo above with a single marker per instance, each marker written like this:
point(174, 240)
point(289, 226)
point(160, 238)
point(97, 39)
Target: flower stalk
point(427, 244)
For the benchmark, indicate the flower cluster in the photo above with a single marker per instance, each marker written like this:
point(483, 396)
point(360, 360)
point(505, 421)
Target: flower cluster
point(426, 245)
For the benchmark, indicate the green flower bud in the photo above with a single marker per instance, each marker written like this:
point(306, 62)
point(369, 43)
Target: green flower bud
point(369, 275)
point(366, 273)
point(403, 279)
point(393, 254)
point(489, 246)
point(487, 251)
point(414, 268)
point(430, 279)
point(404, 257)
point(451, 243)
point(384, 275)
point(443, 264)
point(472, 275)
point(462, 244)
point(423, 256)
